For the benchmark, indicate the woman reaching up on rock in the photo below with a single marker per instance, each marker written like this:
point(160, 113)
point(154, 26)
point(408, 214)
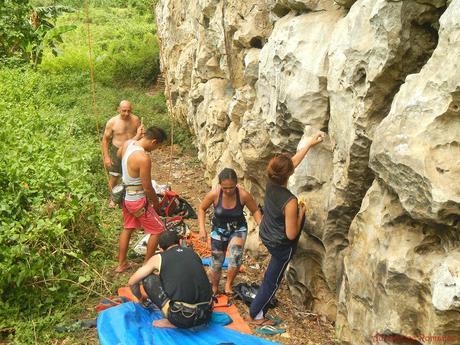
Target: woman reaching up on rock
point(229, 227)
point(280, 227)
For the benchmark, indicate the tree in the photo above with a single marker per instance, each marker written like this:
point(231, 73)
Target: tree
point(45, 32)
point(15, 30)
point(26, 31)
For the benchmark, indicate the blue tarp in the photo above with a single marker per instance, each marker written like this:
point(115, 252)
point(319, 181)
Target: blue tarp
point(131, 324)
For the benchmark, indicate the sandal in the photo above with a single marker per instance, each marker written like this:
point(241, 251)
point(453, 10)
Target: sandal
point(269, 330)
point(261, 322)
point(276, 320)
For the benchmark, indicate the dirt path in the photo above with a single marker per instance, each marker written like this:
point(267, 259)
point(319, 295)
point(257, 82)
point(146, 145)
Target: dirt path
point(301, 327)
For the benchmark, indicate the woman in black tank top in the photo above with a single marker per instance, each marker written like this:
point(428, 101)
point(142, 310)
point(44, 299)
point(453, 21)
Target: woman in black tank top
point(229, 228)
point(280, 227)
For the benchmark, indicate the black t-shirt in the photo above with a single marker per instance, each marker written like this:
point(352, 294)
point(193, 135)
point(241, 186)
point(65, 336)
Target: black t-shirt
point(272, 230)
point(183, 277)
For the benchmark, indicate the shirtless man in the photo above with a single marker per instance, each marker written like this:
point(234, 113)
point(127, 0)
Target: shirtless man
point(140, 205)
point(119, 128)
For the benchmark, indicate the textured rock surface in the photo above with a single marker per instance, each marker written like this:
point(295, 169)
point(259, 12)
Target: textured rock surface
point(395, 39)
point(417, 151)
point(254, 78)
point(401, 277)
point(404, 243)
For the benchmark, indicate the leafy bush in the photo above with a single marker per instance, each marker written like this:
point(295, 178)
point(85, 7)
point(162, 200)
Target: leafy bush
point(124, 44)
point(142, 6)
point(26, 31)
point(14, 30)
point(49, 204)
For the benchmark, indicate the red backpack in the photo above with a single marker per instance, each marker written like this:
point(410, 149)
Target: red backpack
point(172, 205)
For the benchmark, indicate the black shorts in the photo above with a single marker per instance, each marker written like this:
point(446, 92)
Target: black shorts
point(180, 315)
point(115, 168)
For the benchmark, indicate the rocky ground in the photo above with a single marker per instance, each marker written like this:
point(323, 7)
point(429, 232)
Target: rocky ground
point(187, 179)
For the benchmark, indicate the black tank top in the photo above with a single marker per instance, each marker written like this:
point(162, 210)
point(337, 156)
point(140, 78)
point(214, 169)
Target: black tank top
point(272, 229)
point(227, 215)
point(183, 277)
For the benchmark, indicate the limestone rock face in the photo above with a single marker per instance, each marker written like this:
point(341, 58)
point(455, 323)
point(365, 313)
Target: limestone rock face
point(362, 76)
point(379, 251)
point(282, 7)
point(404, 243)
point(395, 39)
point(312, 180)
point(345, 3)
point(401, 276)
point(292, 90)
point(417, 151)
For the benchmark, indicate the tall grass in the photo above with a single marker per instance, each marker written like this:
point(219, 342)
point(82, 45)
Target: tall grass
point(51, 179)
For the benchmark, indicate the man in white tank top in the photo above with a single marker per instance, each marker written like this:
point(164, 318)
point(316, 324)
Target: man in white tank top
point(118, 129)
point(141, 205)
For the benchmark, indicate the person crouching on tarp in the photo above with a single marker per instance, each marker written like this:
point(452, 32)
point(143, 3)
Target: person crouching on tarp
point(175, 282)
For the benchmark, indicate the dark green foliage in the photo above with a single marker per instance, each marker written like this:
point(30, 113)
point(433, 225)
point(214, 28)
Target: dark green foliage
point(48, 208)
point(44, 31)
point(54, 239)
point(141, 6)
point(15, 30)
point(26, 31)
point(124, 46)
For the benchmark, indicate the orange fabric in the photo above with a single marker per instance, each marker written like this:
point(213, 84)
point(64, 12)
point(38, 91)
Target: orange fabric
point(109, 302)
point(222, 301)
point(202, 249)
point(125, 291)
point(238, 323)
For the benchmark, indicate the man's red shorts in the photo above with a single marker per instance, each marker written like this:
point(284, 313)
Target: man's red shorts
point(150, 221)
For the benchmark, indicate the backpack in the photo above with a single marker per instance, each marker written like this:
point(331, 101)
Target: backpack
point(247, 293)
point(171, 204)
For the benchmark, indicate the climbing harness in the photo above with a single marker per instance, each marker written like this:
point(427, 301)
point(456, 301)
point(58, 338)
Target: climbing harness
point(189, 310)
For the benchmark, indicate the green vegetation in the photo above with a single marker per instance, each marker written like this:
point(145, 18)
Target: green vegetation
point(55, 231)
point(25, 31)
point(49, 207)
point(124, 46)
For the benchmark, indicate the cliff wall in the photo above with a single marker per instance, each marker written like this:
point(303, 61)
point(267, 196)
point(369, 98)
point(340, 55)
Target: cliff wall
point(380, 252)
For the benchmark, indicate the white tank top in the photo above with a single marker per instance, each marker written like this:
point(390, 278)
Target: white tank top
point(128, 180)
